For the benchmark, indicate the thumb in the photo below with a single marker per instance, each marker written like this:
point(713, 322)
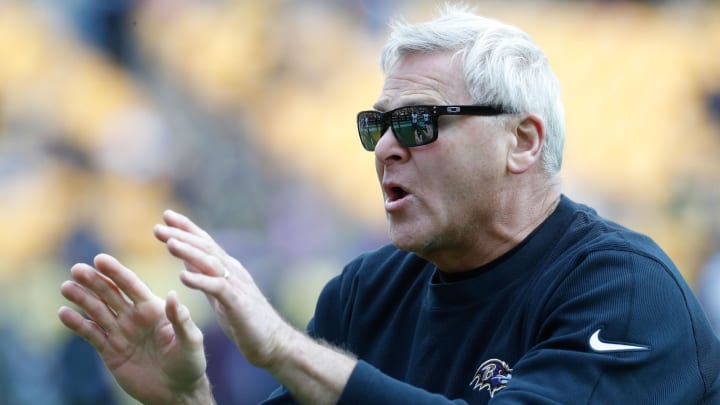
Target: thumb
point(187, 333)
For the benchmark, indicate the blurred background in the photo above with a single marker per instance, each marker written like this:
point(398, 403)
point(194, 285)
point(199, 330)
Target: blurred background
point(240, 114)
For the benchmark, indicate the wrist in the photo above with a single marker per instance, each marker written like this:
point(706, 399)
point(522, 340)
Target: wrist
point(313, 371)
point(285, 349)
point(199, 393)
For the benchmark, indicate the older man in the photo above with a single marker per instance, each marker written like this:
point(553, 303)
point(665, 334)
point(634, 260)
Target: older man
point(496, 288)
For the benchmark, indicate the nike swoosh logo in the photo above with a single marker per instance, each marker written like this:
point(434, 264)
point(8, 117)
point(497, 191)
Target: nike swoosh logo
point(599, 346)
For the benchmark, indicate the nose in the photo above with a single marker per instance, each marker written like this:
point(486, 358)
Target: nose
point(388, 149)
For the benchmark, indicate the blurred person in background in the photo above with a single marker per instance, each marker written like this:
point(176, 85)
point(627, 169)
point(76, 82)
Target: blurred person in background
point(496, 288)
point(104, 25)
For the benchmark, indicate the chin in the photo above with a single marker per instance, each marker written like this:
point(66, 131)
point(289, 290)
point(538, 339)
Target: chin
point(409, 242)
point(412, 236)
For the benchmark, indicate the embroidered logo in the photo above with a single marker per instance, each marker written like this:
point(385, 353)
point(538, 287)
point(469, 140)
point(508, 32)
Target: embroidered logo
point(492, 374)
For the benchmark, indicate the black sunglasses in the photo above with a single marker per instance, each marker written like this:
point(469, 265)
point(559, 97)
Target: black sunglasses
point(412, 125)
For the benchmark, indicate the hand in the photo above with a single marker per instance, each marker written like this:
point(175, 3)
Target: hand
point(152, 347)
point(242, 310)
point(313, 372)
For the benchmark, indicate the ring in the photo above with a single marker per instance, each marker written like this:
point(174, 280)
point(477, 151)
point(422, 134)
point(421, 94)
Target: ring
point(227, 274)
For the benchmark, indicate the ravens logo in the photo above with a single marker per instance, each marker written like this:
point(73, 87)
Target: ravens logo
point(492, 374)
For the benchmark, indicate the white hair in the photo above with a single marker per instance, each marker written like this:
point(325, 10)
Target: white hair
point(502, 65)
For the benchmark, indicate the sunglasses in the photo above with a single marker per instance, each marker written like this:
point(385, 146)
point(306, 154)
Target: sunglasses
point(412, 125)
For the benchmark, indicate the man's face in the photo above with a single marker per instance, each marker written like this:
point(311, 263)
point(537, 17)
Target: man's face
point(438, 197)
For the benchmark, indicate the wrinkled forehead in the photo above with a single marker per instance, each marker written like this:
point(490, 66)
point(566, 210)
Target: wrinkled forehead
point(424, 78)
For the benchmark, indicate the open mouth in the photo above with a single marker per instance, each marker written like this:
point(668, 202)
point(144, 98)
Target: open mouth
point(396, 193)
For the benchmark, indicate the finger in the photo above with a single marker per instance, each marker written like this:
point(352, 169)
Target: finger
point(124, 278)
point(206, 244)
point(216, 288)
point(84, 328)
point(101, 286)
point(206, 263)
point(95, 308)
point(180, 221)
point(164, 232)
point(187, 332)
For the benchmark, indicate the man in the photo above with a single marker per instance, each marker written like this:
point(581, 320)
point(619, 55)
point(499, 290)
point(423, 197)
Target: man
point(496, 288)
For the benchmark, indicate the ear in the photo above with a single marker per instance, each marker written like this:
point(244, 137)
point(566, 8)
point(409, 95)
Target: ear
point(529, 134)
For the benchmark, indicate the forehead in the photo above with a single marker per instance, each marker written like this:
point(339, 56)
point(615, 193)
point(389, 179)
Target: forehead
point(424, 78)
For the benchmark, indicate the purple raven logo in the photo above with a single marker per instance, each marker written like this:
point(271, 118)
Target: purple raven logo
point(492, 374)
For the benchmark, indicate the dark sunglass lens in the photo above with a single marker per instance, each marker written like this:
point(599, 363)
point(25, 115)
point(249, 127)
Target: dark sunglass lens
point(413, 126)
point(370, 128)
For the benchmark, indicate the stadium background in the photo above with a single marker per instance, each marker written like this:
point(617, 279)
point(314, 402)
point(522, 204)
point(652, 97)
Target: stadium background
point(241, 115)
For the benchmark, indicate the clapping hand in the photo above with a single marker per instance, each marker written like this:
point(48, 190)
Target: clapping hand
point(150, 345)
point(242, 310)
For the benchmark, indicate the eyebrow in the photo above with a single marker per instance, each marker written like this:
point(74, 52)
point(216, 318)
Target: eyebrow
point(379, 105)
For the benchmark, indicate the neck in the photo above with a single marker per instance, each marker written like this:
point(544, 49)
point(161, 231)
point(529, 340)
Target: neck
point(519, 216)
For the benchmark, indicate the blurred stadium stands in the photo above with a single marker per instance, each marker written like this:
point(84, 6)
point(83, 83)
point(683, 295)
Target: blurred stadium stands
point(241, 114)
